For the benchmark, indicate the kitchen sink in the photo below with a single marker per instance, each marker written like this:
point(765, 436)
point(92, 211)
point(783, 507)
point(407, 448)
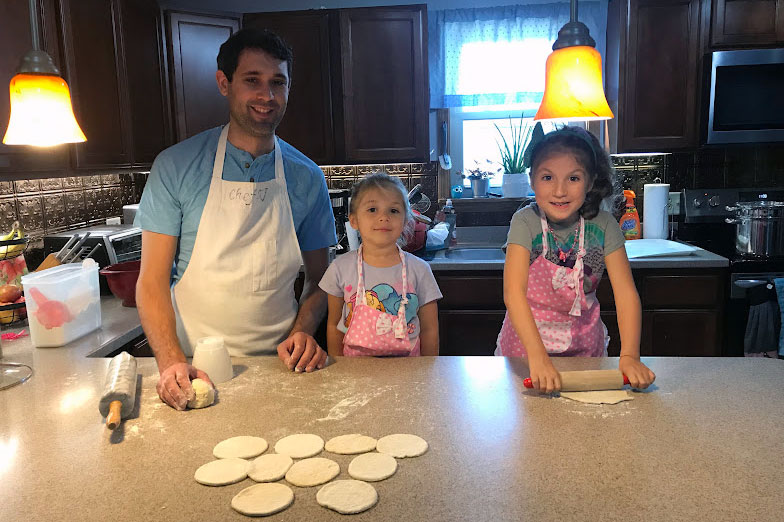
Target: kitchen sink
point(475, 254)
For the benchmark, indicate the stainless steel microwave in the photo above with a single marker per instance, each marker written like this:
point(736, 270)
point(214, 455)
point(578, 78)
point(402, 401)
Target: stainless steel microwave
point(746, 101)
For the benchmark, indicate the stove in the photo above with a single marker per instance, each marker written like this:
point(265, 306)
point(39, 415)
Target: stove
point(703, 224)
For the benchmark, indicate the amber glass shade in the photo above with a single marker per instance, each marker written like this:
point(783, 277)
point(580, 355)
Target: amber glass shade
point(573, 86)
point(41, 112)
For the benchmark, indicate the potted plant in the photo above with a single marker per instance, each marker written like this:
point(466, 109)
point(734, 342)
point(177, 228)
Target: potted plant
point(515, 182)
point(480, 176)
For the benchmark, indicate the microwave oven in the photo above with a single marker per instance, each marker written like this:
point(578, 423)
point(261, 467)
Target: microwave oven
point(746, 100)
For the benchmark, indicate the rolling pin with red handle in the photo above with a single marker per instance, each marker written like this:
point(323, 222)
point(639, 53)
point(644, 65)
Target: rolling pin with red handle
point(589, 380)
point(119, 393)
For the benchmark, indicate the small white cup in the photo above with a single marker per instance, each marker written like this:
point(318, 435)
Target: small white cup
point(211, 357)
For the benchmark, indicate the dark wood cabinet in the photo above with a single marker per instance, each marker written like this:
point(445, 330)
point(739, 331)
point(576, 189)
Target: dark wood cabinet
point(114, 65)
point(746, 23)
point(360, 86)
point(194, 42)
point(659, 64)
point(385, 83)
point(15, 42)
point(682, 311)
point(308, 123)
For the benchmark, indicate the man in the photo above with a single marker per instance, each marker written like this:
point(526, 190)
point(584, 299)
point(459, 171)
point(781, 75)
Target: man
point(239, 211)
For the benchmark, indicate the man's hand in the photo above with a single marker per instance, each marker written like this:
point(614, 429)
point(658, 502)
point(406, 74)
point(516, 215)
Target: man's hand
point(174, 386)
point(301, 352)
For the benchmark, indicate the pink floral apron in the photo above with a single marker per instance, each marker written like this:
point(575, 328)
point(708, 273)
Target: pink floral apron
point(373, 332)
point(568, 321)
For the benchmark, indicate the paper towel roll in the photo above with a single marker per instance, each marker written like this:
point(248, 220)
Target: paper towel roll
point(654, 218)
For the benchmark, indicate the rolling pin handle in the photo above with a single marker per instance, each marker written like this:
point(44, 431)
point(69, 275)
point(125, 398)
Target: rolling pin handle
point(113, 419)
point(527, 382)
point(626, 380)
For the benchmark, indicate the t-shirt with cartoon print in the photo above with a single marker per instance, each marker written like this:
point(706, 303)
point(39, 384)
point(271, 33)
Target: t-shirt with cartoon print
point(383, 287)
point(603, 236)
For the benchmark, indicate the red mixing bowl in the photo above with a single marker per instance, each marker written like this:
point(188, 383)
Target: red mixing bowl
point(121, 279)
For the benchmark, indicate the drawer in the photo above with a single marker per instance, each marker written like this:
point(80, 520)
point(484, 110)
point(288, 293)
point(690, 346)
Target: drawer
point(682, 292)
point(474, 292)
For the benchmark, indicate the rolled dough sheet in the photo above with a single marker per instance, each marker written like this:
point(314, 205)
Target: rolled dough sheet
point(312, 472)
point(599, 397)
point(347, 496)
point(222, 472)
point(242, 447)
point(351, 444)
point(372, 467)
point(263, 499)
point(402, 445)
point(300, 446)
point(269, 467)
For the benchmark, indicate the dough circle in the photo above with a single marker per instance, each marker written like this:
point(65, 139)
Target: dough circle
point(269, 467)
point(599, 397)
point(242, 447)
point(203, 394)
point(401, 445)
point(222, 471)
point(263, 499)
point(351, 444)
point(312, 472)
point(347, 496)
point(372, 467)
point(300, 446)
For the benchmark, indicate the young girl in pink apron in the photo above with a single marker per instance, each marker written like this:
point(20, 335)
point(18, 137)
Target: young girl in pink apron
point(549, 311)
point(382, 301)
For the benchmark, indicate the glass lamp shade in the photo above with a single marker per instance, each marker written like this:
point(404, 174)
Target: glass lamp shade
point(573, 86)
point(41, 112)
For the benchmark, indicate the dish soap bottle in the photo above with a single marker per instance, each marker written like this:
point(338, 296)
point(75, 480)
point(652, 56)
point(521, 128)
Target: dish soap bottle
point(630, 221)
point(450, 217)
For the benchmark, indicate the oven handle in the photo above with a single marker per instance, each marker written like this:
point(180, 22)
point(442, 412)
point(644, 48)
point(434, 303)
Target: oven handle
point(732, 221)
point(751, 283)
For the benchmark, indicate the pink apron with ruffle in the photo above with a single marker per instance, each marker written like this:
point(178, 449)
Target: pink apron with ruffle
point(568, 321)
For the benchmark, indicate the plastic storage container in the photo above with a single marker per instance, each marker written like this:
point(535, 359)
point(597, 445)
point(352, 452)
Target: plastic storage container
point(63, 303)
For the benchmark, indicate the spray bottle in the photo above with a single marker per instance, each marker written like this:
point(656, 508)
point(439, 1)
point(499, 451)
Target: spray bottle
point(630, 221)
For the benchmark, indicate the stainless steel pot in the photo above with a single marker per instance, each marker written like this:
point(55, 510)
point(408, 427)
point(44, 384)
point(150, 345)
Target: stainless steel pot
point(760, 228)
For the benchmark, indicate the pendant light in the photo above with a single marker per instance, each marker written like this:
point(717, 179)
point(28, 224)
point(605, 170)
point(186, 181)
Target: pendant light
point(41, 111)
point(573, 77)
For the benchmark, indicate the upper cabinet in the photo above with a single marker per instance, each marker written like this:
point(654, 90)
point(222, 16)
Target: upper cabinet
point(359, 82)
point(194, 42)
point(114, 65)
point(658, 74)
point(746, 23)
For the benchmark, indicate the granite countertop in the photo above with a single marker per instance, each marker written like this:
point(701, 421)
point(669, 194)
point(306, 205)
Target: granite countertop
point(495, 237)
point(704, 444)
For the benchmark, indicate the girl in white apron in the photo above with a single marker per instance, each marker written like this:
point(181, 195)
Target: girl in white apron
point(548, 309)
point(382, 301)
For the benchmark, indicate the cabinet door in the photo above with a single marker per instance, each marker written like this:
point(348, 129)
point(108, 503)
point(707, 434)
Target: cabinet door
point(97, 81)
point(747, 22)
point(681, 333)
point(194, 44)
point(469, 332)
point(308, 124)
point(143, 46)
point(15, 42)
point(385, 84)
point(659, 75)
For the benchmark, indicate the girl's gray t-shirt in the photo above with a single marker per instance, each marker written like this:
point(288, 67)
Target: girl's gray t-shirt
point(383, 287)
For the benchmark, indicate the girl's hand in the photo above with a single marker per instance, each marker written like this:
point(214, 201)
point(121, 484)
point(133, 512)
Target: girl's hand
point(544, 376)
point(640, 376)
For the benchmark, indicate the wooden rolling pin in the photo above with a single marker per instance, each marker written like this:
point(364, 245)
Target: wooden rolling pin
point(119, 394)
point(589, 380)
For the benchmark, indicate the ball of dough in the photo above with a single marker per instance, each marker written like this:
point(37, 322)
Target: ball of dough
point(347, 496)
point(402, 445)
point(204, 394)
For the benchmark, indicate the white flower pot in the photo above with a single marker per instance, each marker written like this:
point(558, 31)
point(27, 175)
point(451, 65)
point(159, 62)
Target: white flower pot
point(515, 185)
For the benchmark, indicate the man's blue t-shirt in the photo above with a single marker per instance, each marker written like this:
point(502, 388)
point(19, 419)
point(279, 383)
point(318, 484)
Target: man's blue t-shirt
point(179, 181)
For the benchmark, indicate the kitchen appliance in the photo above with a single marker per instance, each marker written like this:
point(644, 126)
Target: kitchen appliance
point(340, 199)
point(745, 101)
point(129, 213)
point(703, 223)
point(760, 228)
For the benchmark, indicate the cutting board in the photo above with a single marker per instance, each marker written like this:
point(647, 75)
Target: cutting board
point(639, 248)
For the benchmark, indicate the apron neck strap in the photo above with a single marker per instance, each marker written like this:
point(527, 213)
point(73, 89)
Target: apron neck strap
point(361, 298)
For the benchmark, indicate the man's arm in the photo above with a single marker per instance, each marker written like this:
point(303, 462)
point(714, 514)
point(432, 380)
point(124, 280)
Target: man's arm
point(300, 351)
point(153, 300)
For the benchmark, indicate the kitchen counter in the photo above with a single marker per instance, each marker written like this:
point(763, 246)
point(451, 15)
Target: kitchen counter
point(704, 444)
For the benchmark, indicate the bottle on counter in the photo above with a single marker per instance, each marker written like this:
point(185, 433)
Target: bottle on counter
point(450, 217)
point(630, 221)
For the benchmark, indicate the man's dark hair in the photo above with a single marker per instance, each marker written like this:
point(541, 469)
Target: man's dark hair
point(251, 38)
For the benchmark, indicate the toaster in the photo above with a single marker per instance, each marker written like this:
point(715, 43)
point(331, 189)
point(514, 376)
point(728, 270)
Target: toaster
point(118, 242)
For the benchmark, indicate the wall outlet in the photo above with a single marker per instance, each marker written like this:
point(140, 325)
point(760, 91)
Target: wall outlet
point(674, 204)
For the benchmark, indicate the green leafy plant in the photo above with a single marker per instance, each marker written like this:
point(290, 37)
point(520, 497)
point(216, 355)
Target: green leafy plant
point(512, 152)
